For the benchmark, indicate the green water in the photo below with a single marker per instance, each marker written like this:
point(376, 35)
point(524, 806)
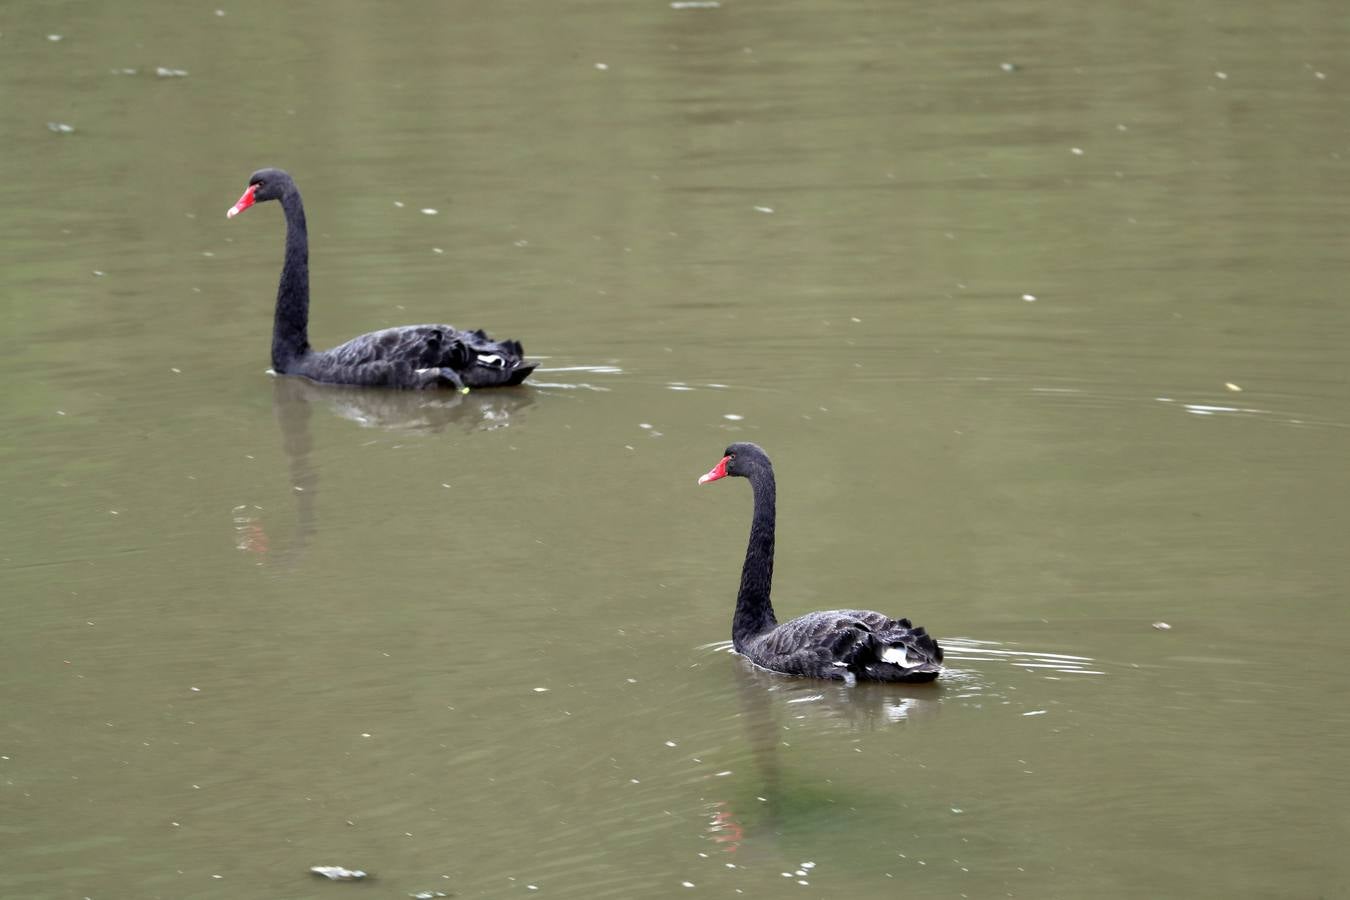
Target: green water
point(989, 320)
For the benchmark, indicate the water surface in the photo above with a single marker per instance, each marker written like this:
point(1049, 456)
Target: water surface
point(1038, 311)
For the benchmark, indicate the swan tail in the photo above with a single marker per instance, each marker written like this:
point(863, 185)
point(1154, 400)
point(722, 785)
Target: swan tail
point(903, 654)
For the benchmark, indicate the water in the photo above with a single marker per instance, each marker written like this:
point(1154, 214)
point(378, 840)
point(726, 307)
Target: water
point(990, 320)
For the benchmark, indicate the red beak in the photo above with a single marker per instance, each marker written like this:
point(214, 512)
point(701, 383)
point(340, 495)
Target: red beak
point(718, 471)
point(244, 202)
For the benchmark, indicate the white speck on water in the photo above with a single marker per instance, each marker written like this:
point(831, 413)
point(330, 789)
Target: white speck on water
point(1008, 67)
point(166, 72)
point(124, 71)
point(207, 253)
point(731, 865)
point(687, 883)
point(175, 370)
point(1076, 151)
point(1321, 76)
point(631, 680)
point(398, 203)
point(99, 273)
point(365, 734)
point(1162, 626)
point(60, 128)
point(1232, 387)
point(437, 250)
point(808, 865)
point(521, 243)
point(603, 67)
point(786, 874)
point(220, 12)
point(678, 387)
point(695, 4)
point(645, 426)
point(803, 882)
point(196, 690)
point(428, 211)
point(767, 210)
point(957, 810)
point(634, 781)
point(113, 512)
point(722, 774)
point(541, 690)
point(55, 37)
point(1222, 76)
point(671, 744)
point(800, 873)
point(733, 417)
point(1030, 298)
point(531, 887)
point(854, 319)
point(1035, 712)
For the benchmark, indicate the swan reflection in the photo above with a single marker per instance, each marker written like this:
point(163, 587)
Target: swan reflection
point(418, 411)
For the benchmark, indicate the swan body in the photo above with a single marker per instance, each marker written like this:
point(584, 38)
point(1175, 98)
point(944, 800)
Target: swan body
point(410, 356)
point(840, 644)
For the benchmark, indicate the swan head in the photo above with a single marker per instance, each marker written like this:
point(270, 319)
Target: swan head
point(263, 185)
point(742, 460)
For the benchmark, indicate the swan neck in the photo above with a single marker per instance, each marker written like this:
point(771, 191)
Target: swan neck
point(754, 611)
point(290, 328)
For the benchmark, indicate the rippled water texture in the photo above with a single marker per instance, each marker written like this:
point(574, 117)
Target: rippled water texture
point(1039, 309)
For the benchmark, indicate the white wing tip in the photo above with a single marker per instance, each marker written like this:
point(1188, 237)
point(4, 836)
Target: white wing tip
point(897, 655)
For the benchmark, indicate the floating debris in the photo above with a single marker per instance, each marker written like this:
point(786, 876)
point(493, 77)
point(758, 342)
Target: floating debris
point(767, 210)
point(733, 417)
point(1035, 712)
point(1232, 387)
point(166, 72)
point(603, 67)
point(60, 128)
point(428, 895)
point(541, 690)
point(55, 37)
point(1030, 298)
point(1162, 626)
point(1009, 67)
point(1222, 76)
point(695, 4)
point(428, 211)
point(220, 12)
point(337, 873)
point(1076, 151)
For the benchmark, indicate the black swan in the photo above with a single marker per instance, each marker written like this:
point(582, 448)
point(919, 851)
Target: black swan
point(411, 356)
point(840, 644)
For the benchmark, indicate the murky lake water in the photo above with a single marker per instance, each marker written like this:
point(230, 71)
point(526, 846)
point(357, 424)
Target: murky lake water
point(989, 321)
